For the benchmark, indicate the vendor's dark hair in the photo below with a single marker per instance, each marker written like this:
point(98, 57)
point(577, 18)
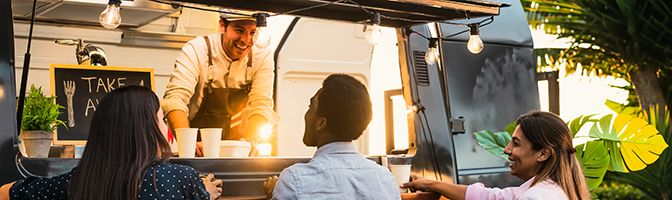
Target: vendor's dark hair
point(345, 103)
point(124, 139)
point(224, 21)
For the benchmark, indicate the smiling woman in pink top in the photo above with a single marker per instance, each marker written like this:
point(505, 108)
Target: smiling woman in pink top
point(540, 153)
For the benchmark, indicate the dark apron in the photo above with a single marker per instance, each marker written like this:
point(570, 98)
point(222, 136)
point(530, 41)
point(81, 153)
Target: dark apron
point(220, 104)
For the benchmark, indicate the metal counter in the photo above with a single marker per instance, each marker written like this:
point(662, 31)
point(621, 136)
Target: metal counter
point(242, 177)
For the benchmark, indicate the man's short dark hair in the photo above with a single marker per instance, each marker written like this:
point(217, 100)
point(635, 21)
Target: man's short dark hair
point(224, 21)
point(345, 103)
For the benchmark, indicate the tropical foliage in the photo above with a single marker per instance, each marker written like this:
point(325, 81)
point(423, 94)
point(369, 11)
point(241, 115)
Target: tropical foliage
point(618, 143)
point(630, 39)
point(40, 112)
point(654, 180)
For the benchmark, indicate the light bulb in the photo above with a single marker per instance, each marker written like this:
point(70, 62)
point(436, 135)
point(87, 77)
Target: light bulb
point(110, 17)
point(373, 34)
point(475, 44)
point(262, 38)
point(431, 55)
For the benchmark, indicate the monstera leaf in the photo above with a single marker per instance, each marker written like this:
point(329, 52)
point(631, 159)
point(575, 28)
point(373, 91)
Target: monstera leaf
point(576, 124)
point(631, 142)
point(594, 161)
point(493, 142)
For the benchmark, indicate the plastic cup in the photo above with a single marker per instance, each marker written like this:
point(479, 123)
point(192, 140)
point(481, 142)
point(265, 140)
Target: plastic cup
point(210, 138)
point(186, 142)
point(400, 166)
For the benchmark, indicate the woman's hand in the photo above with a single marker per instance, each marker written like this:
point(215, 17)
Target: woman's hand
point(420, 183)
point(269, 185)
point(213, 186)
point(448, 190)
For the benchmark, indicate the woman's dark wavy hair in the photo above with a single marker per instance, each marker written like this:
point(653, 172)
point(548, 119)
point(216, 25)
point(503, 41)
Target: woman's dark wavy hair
point(548, 130)
point(345, 103)
point(124, 139)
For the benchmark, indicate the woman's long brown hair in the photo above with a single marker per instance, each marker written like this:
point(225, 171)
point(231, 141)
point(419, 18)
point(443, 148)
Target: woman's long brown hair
point(124, 139)
point(547, 130)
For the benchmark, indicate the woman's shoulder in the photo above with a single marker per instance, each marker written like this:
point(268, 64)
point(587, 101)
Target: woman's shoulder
point(41, 187)
point(170, 168)
point(547, 189)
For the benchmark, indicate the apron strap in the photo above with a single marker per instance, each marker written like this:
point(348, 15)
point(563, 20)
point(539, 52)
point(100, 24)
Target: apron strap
point(207, 43)
point(248, 70)
point(210, 70)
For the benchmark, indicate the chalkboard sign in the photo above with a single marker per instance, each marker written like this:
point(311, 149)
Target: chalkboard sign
point(79, 89)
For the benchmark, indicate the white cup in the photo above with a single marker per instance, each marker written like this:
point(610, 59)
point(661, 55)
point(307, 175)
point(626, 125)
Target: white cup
point(402, 173)
point(186, 142)
point(400, 166)
point(210, 138)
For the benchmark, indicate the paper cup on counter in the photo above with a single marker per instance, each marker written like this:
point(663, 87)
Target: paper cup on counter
point(400, 166)
point(235, 148)
point(186, 142)
point(210, 138)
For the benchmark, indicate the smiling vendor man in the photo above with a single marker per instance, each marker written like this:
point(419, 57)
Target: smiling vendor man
point(222, 80)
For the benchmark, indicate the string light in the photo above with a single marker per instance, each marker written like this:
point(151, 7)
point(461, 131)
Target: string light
point(475, 44)
point(262, 38)
point(432, 54)
point(111, 17)
point(373, 34)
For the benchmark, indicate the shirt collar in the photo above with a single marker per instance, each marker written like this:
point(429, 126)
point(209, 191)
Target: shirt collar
point(336, 147)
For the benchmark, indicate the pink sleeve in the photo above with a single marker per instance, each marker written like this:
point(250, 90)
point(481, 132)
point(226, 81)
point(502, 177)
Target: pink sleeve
point(477, 191)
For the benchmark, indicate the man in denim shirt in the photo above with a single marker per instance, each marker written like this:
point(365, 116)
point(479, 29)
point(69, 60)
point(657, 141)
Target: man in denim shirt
point(339, 112)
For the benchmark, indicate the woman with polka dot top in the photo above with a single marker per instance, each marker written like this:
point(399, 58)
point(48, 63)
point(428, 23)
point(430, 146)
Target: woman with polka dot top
point(125, 158)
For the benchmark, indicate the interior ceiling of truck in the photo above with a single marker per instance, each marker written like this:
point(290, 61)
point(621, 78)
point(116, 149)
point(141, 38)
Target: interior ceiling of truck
point(394, 13)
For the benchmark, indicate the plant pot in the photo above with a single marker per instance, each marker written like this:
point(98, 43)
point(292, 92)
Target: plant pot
point(37, 143)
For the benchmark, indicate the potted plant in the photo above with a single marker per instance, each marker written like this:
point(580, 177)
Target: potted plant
point(40, 119)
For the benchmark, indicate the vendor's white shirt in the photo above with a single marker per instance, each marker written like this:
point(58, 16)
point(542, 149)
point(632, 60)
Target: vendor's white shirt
point(187, 85)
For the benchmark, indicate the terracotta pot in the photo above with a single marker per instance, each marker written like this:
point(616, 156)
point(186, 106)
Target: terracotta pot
point(37, 143)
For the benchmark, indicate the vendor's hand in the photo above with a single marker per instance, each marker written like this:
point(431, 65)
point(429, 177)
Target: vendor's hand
point(213, 186)
point(269, 185)
point(199, 149)
point(419, 183)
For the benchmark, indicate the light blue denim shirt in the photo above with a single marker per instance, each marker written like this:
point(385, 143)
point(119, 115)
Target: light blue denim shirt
point(336, 171)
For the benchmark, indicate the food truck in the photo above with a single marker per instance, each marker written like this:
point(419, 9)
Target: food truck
point(431, 93)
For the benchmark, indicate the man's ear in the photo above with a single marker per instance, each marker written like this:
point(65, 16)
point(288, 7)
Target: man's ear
point(222, 26)
point(321, 123)
point(544, 154)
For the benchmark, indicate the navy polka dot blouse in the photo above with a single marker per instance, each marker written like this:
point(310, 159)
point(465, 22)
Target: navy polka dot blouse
point(173, 181)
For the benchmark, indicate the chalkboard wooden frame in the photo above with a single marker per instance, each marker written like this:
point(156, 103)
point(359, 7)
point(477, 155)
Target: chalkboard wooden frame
point(56, 67)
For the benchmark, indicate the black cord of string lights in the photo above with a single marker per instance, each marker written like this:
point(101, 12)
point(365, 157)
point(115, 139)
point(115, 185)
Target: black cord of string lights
point(367, 11)
point(482, 23)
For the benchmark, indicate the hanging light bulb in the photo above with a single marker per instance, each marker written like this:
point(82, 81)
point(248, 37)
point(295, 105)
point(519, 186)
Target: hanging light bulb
point(373, 34)
point(475, 44)
point(262, 37)
point(110, 17)
point(432, 54)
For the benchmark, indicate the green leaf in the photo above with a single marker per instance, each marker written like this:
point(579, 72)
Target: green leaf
point(511, 127)
point(631, 142)
point(493, 142)
point(576, 124)
point(594, 161)
point(40, 112)
point(621, 108)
